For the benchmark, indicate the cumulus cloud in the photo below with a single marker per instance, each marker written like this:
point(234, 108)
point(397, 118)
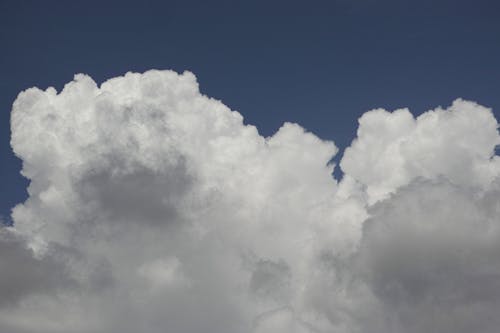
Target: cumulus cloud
point(438, 269)
point(153, 208)
point(391, 149)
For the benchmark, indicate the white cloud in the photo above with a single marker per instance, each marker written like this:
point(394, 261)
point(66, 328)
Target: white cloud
point(392, 149)
point(153, 207)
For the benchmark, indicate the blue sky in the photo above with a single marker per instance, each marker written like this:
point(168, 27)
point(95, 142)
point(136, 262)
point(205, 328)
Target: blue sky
point(320, 64)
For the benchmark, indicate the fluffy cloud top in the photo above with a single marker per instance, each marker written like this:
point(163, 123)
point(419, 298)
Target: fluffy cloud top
point(153, 208)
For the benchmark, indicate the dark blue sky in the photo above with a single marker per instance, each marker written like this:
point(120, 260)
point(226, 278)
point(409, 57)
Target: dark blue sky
point(318, 63)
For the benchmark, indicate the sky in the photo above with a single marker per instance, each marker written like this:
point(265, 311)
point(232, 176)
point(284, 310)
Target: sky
point(320, 64)
point(253, 167)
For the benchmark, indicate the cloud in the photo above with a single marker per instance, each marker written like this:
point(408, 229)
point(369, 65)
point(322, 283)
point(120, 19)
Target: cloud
point(392, 149)
point(23, 274)
point(430, 256)
point(153, 208)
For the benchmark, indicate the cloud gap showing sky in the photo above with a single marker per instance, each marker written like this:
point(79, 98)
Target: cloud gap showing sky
point(154, 208)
